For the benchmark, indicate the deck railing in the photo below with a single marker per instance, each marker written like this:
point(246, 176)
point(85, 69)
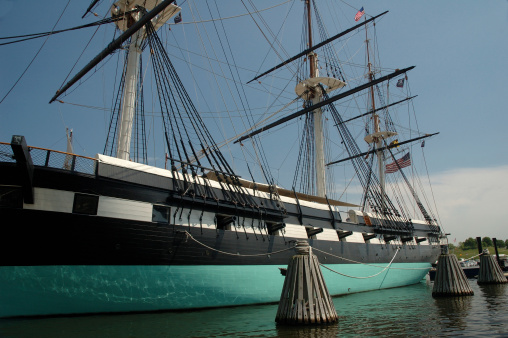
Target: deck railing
point(52, 159)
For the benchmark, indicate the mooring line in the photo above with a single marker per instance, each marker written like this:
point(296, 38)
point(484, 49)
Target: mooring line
point(343, 274)
point(311, 248)
point(236, 254)
point(377, 266)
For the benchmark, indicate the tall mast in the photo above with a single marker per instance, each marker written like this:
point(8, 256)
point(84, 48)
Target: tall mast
point(317, 117)
point(311, 89)
point(312, 56)
point(375, 118)
point(377, 136)
point(129, 99)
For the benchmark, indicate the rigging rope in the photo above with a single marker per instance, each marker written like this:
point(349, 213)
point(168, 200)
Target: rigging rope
point(35, 56)
point(40, 35)
point(377, 197)
point(230, 17)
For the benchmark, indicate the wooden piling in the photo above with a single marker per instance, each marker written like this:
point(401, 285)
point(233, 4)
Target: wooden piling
point(494, 240)
point(450, 280)
point(490, 271)
point(305, 298)
point(479, 243)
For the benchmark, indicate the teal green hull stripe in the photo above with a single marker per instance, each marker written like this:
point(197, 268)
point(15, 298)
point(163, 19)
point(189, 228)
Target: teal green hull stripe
point(48, 290)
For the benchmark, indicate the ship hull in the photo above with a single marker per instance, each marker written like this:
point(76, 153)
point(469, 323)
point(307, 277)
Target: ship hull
point(58, 256)
point(109, 266)
point(74, 265)
point(66, 290)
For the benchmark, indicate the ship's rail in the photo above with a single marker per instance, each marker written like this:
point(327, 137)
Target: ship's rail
point(52, 159)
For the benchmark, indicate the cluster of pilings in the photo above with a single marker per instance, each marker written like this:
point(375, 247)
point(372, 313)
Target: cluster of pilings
point(305, 298)
point(451, 280)
point(490, 271)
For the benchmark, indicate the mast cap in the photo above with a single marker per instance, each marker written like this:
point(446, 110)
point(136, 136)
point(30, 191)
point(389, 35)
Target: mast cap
point(306, 88)
point(375, 137)
point(123, 6)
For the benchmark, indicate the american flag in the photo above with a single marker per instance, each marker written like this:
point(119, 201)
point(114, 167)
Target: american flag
point(402, 162)
point(360, 13)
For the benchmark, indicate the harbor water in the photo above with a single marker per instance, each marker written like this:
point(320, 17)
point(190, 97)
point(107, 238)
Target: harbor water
point(407, 311)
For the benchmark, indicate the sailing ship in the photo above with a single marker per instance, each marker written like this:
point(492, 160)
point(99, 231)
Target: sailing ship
point(113, 233)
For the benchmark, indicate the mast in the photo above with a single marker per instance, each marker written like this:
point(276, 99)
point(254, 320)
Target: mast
point(302, 90)
point(375, 118)
point(316, 46)
point(128, 108)
point(311, 89)
point(377, 136)
point(157, 15)
point(129, 98)
point(317, 116)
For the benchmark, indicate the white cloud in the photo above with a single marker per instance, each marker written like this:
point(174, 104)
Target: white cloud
point(473, 202)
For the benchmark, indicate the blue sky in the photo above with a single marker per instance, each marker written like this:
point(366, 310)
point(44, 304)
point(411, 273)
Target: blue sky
point(459, 49)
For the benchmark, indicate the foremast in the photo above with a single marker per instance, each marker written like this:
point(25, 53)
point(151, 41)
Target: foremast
point(128, 108)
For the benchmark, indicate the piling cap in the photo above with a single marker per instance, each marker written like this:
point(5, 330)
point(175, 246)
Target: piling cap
point(444, 250)
point(302, 247)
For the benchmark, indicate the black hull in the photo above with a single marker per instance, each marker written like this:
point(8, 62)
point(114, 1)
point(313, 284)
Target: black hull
point(45, 237)
point(48, 238)
point(119, 240)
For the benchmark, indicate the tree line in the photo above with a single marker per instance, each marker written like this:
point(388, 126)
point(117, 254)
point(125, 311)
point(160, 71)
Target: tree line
point(471, 243)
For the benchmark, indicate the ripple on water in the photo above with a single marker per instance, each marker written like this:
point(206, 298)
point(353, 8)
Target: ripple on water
point(407, 311)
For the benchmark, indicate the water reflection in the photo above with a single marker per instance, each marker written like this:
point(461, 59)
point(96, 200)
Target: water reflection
point(408, 311)
point(454, 311)
point(495, 303)
point(393, 312)
point(493, 294)
point(229, 322)
point(299, 331)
